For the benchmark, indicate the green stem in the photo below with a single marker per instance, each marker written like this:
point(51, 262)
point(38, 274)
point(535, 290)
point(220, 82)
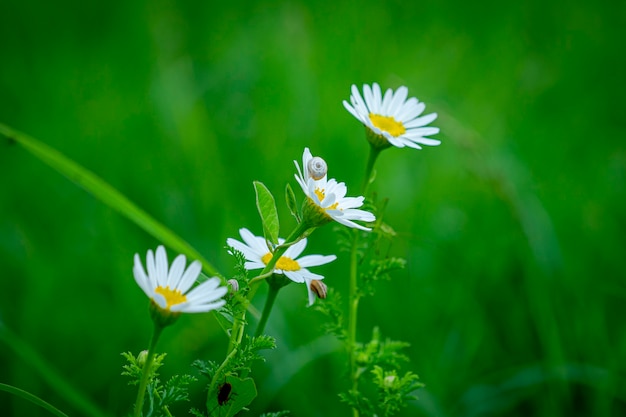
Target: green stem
point(145, 376)
point(267, 309)
point(353, 300)
point(352, 315)
point(369, 169)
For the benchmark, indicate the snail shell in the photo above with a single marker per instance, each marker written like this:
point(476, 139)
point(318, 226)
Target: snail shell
point(317, 168)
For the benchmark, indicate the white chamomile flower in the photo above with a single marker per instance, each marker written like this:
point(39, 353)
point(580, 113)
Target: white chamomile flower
point(169, 287)
point(392, 119)
point(328, 197)
point(258, 255)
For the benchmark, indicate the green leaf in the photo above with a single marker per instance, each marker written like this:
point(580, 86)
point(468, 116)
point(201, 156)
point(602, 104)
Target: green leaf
point(267, 210)
point(32, 398)
point(105, 193)
point(231, 397)
point(292, 203)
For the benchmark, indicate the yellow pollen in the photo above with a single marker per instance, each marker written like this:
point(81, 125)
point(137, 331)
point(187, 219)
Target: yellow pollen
point(284, 263)
point(388, 124)
point(320, 194)
point(172, 297)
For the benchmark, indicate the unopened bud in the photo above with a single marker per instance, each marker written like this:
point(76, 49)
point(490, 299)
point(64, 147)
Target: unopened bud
point(141, 358)
point(389, 380)
point(317, 168)
point(319, 288)
point(234, 285)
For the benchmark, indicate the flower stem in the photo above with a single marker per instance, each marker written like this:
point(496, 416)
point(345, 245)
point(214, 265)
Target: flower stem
point(145, 376)
point(352, 316)
point(353, 300)
point(369, 169)
point(267, 309)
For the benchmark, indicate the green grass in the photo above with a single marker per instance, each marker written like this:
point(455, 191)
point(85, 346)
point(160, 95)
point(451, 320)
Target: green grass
point(513, 228)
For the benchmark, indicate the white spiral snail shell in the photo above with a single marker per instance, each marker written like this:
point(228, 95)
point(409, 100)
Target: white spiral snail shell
point(317, 168)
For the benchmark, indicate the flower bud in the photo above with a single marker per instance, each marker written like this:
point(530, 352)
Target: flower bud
point(141, 358)
point(317, 168)
point(319, 288)
point(389, 381)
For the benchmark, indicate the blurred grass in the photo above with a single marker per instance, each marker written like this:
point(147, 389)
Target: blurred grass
point(513, 228)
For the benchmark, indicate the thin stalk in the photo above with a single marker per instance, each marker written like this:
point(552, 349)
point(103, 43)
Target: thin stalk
point(353, 300)
point(267, 309)
point(352, 315)
point(146, 369)
point(369, 169)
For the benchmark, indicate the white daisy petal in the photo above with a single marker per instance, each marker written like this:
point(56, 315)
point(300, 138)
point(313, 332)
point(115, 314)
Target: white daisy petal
point(247, 251)
point(161, 266)
point(368, 95)
point(295, 276)
point(421, 131)
point(409, 111)
point(378, 98)
point(315, 260)
point(310, 294)
point(421, 121)
point(384, 108)
point(141, 278)
point(296, 249)
point(398, 100)
point(199, 308)
point(151, 265)
point(426, 141)
point(176, 271)
point(190, 276)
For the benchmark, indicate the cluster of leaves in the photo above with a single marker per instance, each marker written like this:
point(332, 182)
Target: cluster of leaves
point(333, 310)
point(380, 390)
point(160, 396)
point(378, 364)
point(235, 390)
point(240, 362)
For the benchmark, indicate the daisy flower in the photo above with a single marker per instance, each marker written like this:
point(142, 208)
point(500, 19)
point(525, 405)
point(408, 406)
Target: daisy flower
point(328, 197)
point(392, 119)
point(169, 287)
point(257, 255)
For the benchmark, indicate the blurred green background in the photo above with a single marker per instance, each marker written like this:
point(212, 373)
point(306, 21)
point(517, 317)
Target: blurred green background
point(513, 298)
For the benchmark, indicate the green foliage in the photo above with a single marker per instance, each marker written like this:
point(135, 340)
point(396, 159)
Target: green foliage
point(331, 307)
point(249, 352)
point(267, 210)
point(242, 390)
point(276, 414)
point(378, 269)
point(134, 368)
point(32, 398)
point(231, 396)
point(380, 353)
point(394, 391)
point(160, 396)
point(292, 203)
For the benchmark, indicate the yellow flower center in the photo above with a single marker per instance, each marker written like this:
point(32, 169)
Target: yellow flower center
point(284, 263)
point(172, 297)
point(320, 194)
point(388, 124)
